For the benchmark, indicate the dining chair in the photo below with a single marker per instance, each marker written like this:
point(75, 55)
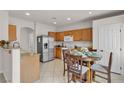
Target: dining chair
point(76, 68)
point(65, 53)
point(102, 68)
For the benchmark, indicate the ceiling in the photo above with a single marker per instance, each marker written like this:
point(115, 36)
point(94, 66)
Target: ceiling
point(60, 16)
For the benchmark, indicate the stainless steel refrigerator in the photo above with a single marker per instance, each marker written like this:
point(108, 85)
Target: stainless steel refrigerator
point(45, 47)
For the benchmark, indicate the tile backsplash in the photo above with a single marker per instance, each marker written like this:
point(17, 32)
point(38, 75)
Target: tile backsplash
point(77, 43)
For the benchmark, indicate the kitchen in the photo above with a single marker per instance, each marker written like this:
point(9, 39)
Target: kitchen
point(70, 35)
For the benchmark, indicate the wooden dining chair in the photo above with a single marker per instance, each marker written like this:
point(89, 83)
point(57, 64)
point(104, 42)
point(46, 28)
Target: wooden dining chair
point(76, 68)
point(103, 69)
point(65, 53)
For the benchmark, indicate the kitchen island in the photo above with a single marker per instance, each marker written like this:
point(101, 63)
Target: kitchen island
point(30, 67)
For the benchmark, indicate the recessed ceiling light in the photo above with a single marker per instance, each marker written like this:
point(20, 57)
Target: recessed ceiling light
point(90, 12)
point(27, 14)
point(54, 22)
point(68, 18)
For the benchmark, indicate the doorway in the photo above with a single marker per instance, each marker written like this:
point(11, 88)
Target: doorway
point(27, 39)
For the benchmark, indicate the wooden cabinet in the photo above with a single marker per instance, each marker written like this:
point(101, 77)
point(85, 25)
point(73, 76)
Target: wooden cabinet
point(30, 68)
point(58, 52)
point(60, 36)
point(67, 33)
point(87, 34)
point(77, 35)
point(52, 34)
point(12, 32)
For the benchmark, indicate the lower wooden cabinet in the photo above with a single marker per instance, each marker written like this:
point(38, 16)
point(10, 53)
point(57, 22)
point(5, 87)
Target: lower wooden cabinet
point(58, 52)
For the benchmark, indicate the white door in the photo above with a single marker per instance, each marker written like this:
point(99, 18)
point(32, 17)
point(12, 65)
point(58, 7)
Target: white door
point(109, 41)
point(122, 48)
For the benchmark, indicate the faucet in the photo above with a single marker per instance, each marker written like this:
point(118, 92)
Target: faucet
point(16, 45)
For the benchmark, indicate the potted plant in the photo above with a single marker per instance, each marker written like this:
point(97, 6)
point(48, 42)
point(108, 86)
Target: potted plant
point(2, 43)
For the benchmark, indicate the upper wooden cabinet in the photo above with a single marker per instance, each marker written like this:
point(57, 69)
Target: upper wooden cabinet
point(77, 35)
point(60, 36)
point(67, 33)
point(12, 32)
point(84, 34)
point(87, 34)
point(52, 34)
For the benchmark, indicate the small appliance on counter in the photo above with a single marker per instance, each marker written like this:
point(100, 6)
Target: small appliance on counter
point(16, 44)
point(68, 41)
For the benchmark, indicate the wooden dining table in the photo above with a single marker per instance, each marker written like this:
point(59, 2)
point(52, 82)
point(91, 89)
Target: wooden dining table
point(89, 60)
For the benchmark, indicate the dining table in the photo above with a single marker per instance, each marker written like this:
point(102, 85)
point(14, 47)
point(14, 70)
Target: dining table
point(88, 57)
point(89, 60)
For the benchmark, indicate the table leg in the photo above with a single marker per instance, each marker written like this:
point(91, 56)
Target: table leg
point(89, 73)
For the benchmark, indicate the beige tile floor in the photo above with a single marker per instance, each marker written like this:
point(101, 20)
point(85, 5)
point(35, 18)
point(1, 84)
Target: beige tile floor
point(52, 72)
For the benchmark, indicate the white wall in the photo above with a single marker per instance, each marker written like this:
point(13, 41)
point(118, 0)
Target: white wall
point(42, 29)
point(1, 59)
point(78, 43)
point(79, 25)
point(15, 65)
point(3, 25)
point(24, 39)
point(39, 28)
point(3, 32)
point(20, 23)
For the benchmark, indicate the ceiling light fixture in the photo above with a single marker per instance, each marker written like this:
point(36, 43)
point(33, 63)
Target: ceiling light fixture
point(69, 19)
point(27, 14)
point(54, 22)
point(90, 12)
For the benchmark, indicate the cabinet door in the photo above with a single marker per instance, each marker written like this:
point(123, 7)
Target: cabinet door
point(58, 52)
point(67, 33)
point(54, 52)
point(52, 34)
point(87, 34)
point(77, 35)
point(12, 32)
point(59, 36)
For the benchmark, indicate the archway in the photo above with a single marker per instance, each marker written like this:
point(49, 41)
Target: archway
point(27, 39)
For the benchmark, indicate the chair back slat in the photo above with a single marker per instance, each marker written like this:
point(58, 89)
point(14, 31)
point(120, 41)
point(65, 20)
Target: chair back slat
point(110, 61)
point(75, 64)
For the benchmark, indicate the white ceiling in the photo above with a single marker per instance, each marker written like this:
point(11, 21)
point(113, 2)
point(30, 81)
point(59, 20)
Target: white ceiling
point(46, 16)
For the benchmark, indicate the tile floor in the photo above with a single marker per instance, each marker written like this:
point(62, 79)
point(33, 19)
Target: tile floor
point(52, 72)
